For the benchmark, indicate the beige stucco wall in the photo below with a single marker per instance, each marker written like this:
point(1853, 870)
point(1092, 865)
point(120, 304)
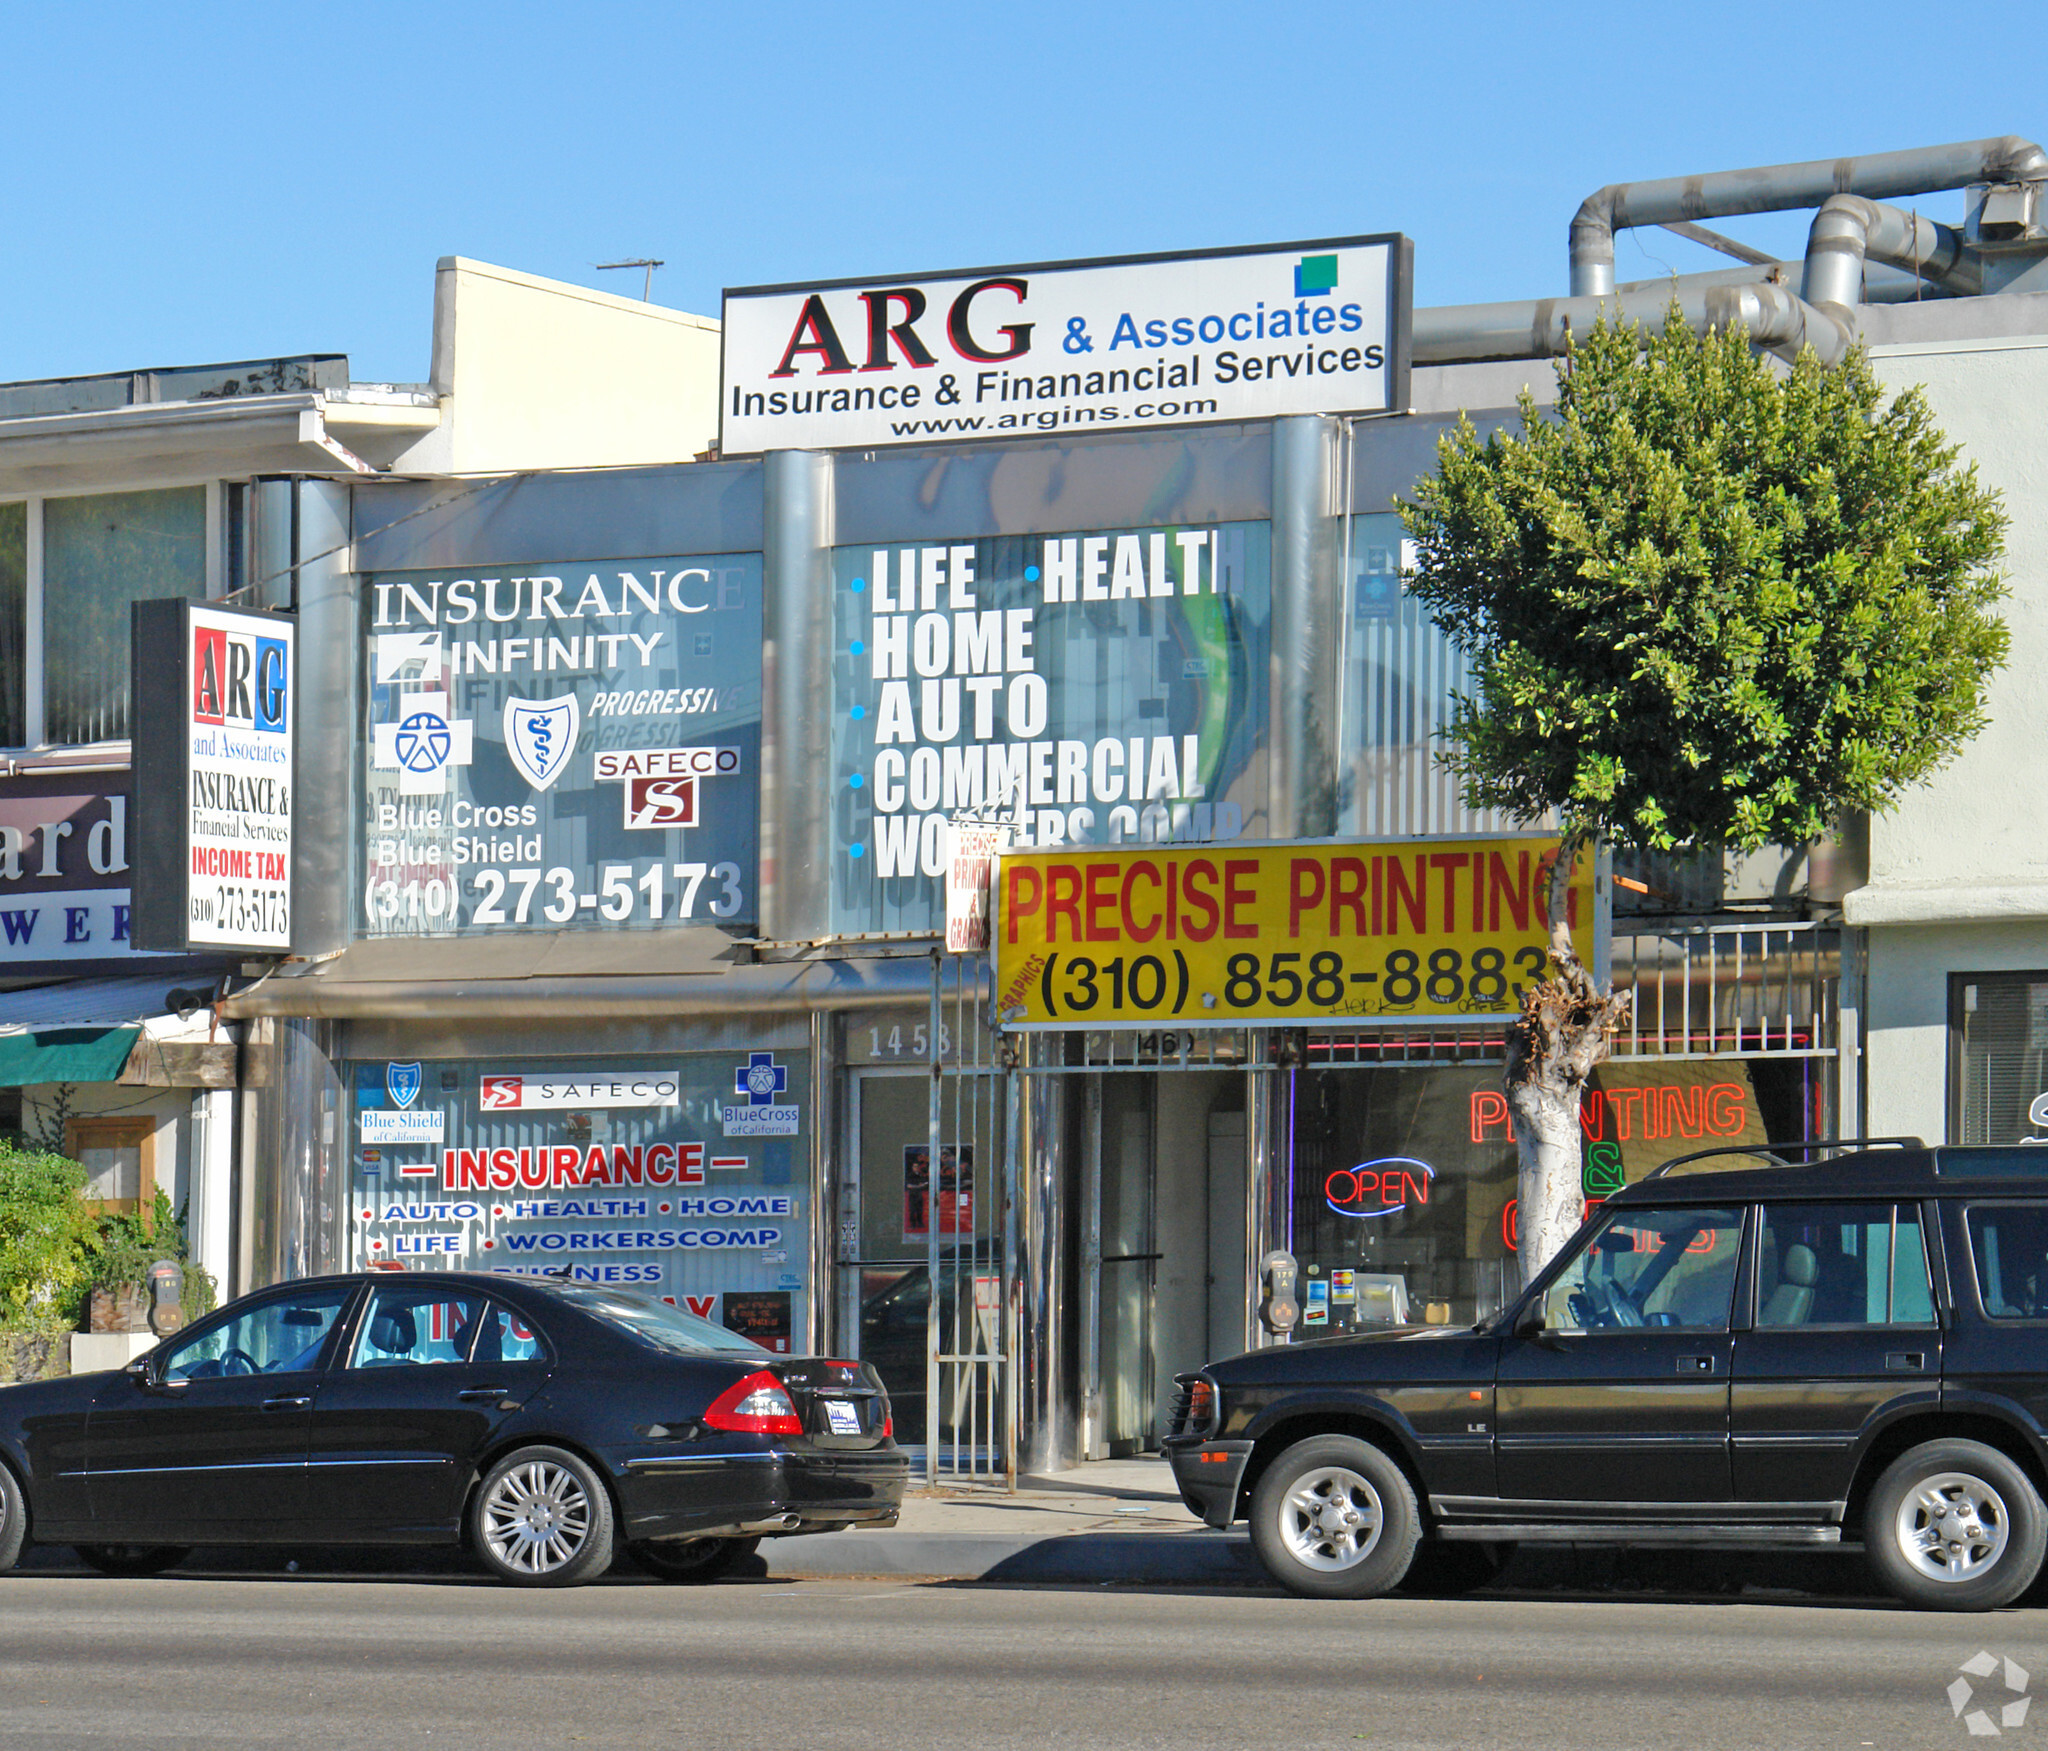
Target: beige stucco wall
point(534, 373)
point(1959, 869)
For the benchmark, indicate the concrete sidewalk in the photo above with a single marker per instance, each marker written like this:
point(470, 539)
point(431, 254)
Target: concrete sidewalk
point(1112, 1520)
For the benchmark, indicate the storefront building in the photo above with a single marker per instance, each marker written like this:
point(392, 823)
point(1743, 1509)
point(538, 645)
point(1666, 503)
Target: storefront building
point(634, 974)
point(621, 838)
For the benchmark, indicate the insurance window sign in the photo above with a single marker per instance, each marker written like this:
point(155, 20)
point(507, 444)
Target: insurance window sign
point(626, 1171)
point(1098, 687)
point(565, 745)
point(1113, 344)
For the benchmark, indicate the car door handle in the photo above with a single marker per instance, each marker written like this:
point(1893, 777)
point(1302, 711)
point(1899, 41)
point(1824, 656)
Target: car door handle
point(483, 1392)
point(1905, 1361)
point(1695, 1364)
point(286, 1404)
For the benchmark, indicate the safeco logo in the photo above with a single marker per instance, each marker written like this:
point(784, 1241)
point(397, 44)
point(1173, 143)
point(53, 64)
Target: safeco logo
point(1961, 1693)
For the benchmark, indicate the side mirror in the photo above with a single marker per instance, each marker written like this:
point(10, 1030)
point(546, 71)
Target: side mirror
point(1529, 1322)
point(139, 1372)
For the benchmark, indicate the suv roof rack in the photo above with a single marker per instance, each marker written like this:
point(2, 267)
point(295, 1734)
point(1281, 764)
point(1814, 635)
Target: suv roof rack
point(1768, 1152)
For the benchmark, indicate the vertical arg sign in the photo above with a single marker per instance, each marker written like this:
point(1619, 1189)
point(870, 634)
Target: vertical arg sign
point(214, 750)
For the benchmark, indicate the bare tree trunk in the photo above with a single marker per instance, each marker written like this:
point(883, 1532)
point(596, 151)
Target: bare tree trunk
point(1563, 1032)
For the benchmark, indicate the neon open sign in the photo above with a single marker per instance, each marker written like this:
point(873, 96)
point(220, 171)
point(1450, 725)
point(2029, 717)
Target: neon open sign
point(1378, 1188)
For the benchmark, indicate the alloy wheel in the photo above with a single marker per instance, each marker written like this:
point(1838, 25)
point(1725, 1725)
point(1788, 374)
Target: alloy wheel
point(1953, 1527)
point(536, 1518)
point(1331, 1519)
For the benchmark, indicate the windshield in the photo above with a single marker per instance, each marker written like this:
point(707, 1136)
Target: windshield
point(655, 1322)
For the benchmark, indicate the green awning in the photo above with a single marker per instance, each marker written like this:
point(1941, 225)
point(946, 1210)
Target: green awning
point(70, 1054)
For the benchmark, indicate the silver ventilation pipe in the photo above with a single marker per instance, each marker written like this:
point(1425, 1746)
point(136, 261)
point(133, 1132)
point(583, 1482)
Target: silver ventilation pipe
point(1882, 284)
point(1781, 188)
point(1774, 316)
point(1848, 229)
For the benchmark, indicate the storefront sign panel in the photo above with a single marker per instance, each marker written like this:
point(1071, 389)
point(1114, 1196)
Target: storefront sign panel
point(1221, 936)
point(1119, 343)
point(64, 872)
point(1094, 688)
point(638, 1184)
point(215, 727)
point(574, 749)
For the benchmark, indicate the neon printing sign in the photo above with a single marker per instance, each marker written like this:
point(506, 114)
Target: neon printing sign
point(1379, 1188)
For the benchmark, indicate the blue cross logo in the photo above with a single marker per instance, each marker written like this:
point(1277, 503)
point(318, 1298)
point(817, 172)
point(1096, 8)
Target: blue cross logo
point(760, 1079)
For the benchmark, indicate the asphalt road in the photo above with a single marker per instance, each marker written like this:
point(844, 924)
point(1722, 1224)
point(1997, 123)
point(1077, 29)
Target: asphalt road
point(441, 1660)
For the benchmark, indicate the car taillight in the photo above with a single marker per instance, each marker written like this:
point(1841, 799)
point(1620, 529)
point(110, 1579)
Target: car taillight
point(1201, 1404)
point(757, 1405)
point(889, 1427)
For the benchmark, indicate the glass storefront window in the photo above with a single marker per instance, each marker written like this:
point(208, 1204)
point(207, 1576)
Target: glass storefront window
point(101, 553)
point(13, 624)
point(1401, 679)
point(1110, 683)
point(1402, 1180)
point(1998, 1058)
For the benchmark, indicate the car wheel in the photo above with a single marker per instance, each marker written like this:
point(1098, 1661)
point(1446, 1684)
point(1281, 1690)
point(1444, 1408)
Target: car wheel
point(1955, 1526)
point(1449, 1569)
point(543, 1518)
point(1334, 1518)
point(13, 1520)
point(131, 1559)
point(692, 1559)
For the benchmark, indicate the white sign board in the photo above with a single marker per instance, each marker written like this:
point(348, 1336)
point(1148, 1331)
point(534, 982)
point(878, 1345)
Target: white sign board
point(971, 852)
point(239, 779)
point(526, 1093)
point(1110, 345)
point(215, 728)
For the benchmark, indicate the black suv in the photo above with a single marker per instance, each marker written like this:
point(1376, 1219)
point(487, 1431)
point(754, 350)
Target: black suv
point(1849, 1351)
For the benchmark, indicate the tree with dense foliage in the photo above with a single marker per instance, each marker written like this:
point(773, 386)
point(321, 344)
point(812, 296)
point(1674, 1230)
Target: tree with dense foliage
point(1710, 603)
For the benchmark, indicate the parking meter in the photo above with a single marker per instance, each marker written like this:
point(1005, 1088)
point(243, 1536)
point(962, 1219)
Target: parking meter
point(166, 1282)
point(1279, 1312)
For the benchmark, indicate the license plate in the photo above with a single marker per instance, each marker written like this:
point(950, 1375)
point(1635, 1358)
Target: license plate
point(842, 1419)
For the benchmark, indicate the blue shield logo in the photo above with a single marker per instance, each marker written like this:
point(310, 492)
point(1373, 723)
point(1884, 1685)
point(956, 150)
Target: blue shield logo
point(540, 735)
point(402, 1083)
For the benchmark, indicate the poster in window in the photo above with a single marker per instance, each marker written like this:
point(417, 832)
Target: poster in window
point(955, 1190)
point(759, 1314)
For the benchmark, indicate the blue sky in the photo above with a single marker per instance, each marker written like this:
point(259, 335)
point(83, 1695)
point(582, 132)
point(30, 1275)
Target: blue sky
point(236, 180)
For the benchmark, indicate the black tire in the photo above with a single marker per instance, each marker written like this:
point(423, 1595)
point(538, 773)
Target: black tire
point(1449, 1569)
point(692, 1560)
point(1971, 1490)
point(132, 1559)
point(13, 1520)
point(542, 1518)
point(1335, 1518)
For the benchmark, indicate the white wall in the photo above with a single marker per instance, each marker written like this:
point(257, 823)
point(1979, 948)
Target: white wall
point(538, 374)
point(1959, 869)
point(1984, 818)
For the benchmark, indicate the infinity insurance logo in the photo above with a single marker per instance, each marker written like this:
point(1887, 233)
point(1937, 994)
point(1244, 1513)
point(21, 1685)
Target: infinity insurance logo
point(1961, 1693)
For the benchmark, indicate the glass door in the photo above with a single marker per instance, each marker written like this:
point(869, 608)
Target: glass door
point(894, 1198)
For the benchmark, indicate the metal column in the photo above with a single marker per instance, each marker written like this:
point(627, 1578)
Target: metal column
point(1306, 648)
point(796, 680)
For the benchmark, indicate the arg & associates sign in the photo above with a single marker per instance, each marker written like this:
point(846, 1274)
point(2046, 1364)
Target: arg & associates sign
point(1112, 344)
point(1225, 935)
point(215, 722)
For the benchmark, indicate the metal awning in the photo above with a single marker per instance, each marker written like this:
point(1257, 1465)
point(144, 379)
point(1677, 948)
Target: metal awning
point(84, 1030)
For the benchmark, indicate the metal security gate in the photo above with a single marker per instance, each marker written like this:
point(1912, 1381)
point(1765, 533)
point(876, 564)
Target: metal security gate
point(970, 1421)
point(926, 1265)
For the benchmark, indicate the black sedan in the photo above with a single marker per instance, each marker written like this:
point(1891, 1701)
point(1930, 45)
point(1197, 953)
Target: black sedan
point(543, 1422)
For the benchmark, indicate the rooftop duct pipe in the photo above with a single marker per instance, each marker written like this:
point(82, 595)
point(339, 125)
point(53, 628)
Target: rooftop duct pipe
point(1848, 228)
point(1881, 284)
point(1774, 316)
point(1780, 188)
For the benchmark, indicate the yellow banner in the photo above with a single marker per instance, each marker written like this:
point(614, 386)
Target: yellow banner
point(1222, 935)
